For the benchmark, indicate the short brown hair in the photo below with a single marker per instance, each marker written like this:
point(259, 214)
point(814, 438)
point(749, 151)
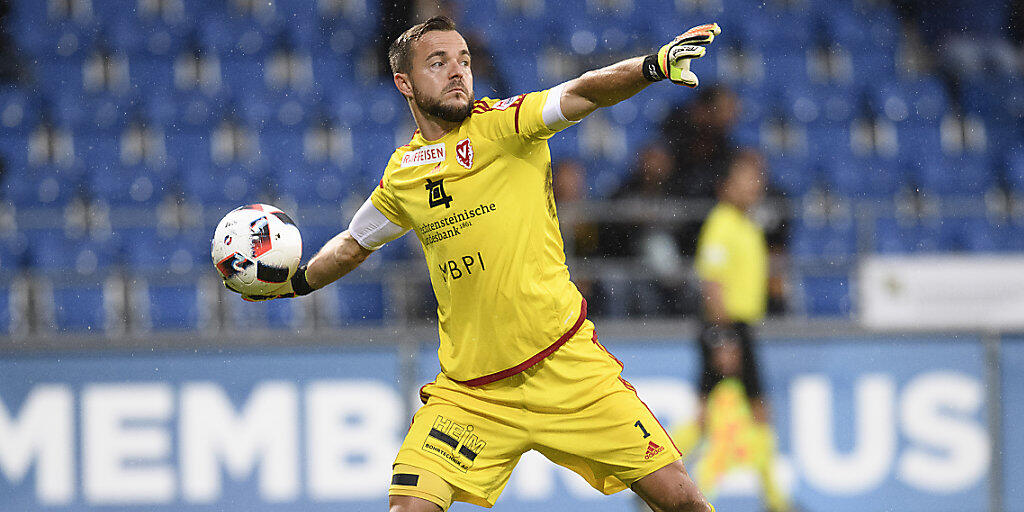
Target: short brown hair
point(400, 53)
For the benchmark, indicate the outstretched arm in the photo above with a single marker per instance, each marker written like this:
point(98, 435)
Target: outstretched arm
point(609, 85)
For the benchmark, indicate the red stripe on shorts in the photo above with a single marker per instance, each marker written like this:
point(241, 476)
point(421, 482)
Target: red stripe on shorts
point(504, 374)
point(631, 388)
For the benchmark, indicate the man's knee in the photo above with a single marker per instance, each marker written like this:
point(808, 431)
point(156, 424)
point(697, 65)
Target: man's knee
point(411, 504)
point(689, 502)
point(670, 489)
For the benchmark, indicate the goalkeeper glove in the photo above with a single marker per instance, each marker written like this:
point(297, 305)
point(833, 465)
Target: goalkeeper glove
point(673, 60)
point(294, 287)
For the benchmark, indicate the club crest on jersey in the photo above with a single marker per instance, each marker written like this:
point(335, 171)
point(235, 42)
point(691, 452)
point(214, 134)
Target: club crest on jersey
point(464, 153)
point(431, 154)
point(436, 195)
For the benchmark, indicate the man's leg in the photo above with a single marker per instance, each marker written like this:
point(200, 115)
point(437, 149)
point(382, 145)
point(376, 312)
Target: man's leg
point(411, 504)
point(670, 489)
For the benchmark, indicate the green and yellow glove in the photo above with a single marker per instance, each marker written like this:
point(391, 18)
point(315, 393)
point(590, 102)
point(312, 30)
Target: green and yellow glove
point(673, 60)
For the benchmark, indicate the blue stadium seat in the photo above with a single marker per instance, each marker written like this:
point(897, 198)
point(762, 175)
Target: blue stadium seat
point(971, 234)
point(232, 184)
point(136, 185)
point(815, 241)
point(53, 250)
point(924, 100)
point(59, 76)
point(7, 313)
point(175, 254)
point(1015, 169)
point(41, 186)
point(80, 306)
point(13, 252)
point(275, 314)
point(151, 75)
point(315, 183)
point(359, 303)
point(169, 305)
point(913, 236)
point(19, 111)
point(826, 295)
point(14, 153)
point(794, 175)
point(957, 175)
point(242, 75)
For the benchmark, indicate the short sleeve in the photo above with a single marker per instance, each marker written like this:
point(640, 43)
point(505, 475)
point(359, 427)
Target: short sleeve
point(519, 116)
point(383, 198)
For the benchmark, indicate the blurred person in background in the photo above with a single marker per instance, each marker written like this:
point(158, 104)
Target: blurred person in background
point(653, 178)
point(10, 62)
point(733, 438)
point(697, 135)
point(732, 263)
point(581, 237)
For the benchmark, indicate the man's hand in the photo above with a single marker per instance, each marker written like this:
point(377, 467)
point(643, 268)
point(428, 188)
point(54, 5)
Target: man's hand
point(285, 291)
point(294, 287)
point(673, 60)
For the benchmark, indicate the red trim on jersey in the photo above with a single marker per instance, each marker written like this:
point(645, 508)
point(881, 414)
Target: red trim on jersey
point(519, 103)
point(381, 183)
point(504, 374)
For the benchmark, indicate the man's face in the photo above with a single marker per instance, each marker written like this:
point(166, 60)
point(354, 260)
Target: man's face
point(745, 185)
point(441, 79)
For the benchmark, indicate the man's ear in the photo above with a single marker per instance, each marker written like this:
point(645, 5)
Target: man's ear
point(404, 84)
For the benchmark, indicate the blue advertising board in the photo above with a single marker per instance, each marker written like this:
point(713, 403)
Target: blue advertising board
point(862, 424)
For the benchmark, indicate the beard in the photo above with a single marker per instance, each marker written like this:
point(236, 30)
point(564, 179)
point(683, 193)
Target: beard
point(445, 111)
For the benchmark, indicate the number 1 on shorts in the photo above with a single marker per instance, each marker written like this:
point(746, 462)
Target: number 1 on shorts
point(642, 429)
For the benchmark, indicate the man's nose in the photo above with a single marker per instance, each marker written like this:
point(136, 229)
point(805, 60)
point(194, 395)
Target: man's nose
point(456, 70)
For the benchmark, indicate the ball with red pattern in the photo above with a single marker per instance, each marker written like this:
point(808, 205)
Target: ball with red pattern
point(256, 248)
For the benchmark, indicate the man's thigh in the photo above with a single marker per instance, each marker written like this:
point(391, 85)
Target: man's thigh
point(611, 443)
point(473, 450)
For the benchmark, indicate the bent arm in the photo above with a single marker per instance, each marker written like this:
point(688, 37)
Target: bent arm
point(368, 231)
point(603, 88)
point(339, 256)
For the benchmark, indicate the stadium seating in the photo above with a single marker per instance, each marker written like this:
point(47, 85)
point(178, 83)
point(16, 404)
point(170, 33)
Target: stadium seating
point(227, 129)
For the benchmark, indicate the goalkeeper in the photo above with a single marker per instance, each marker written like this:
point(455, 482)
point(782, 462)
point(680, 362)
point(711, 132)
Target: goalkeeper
point(521, 367)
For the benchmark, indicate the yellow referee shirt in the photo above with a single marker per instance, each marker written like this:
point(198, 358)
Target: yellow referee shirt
point(732, 252)
point(480, 200)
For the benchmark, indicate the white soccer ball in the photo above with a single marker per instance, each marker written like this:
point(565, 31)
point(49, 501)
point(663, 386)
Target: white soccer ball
point(256, 248)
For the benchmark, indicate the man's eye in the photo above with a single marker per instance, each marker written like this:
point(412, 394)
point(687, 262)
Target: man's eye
point(436, 64)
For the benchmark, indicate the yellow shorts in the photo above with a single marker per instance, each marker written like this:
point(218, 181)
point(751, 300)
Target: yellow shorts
point(573, 407)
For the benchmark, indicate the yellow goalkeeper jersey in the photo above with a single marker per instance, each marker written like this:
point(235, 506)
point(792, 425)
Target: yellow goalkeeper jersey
point(480, 200)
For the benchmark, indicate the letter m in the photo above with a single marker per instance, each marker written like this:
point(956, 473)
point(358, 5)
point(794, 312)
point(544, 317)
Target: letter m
point(265, 431)
point(41, 433)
